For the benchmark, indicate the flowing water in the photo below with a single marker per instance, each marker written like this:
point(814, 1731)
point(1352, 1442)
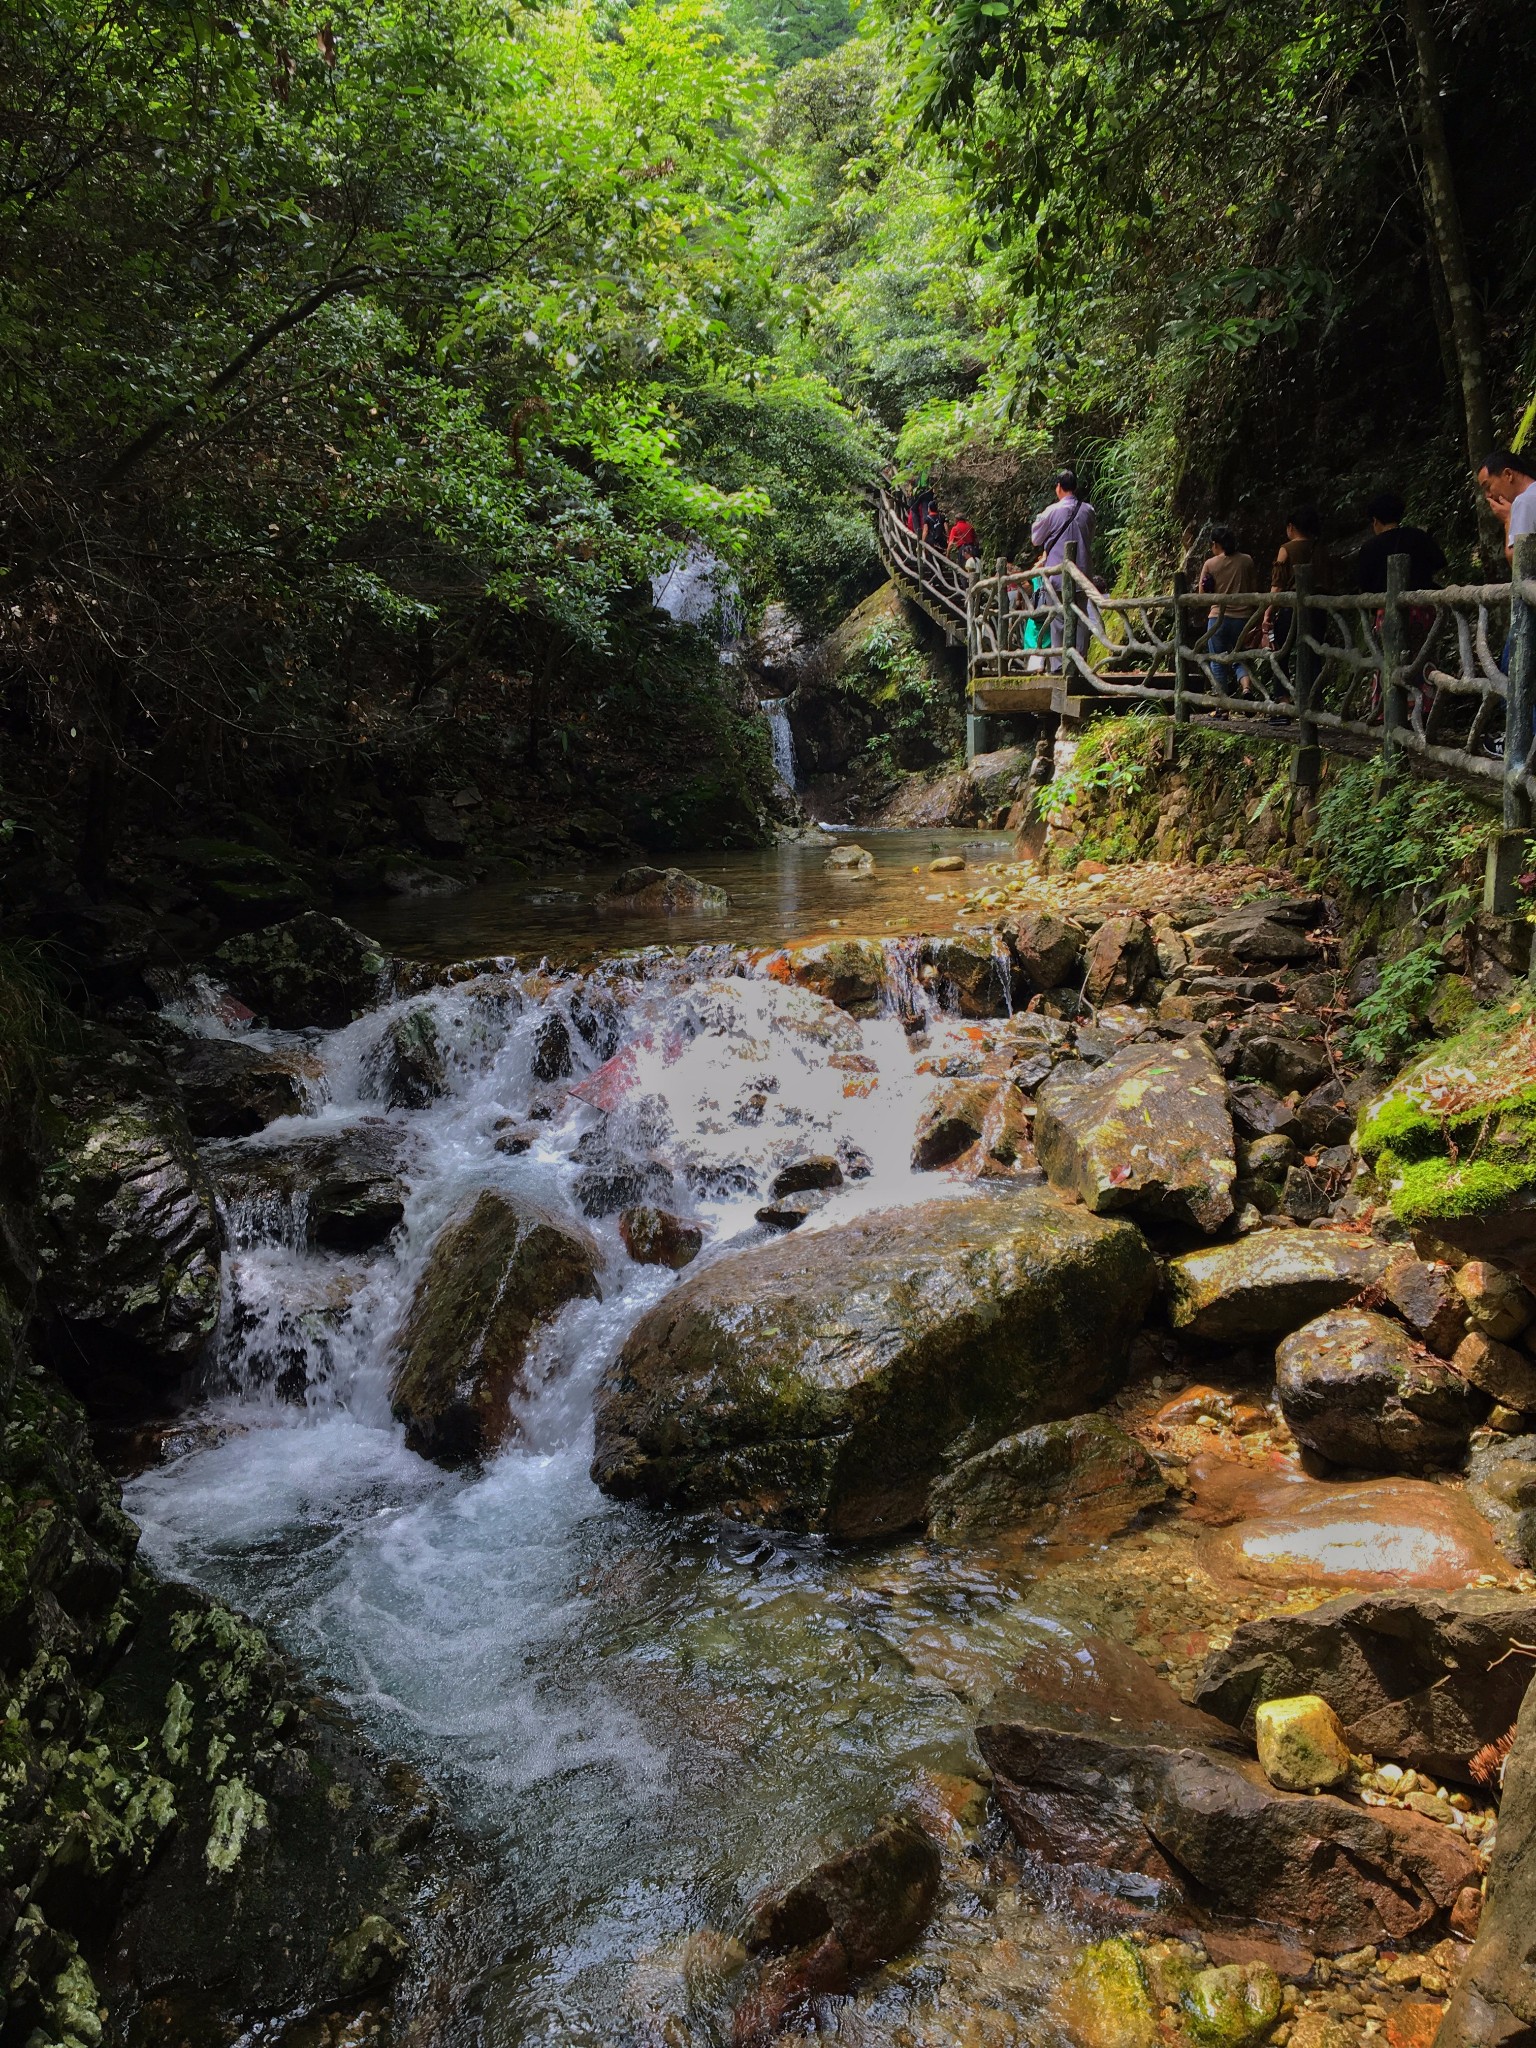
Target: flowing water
point(642, 1719)
point(782, 739)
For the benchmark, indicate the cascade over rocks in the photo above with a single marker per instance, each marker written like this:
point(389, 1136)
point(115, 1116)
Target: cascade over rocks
point(820, 1382)
point(1027, 1480)
point(1148, 1131)
point(1270, 1283)
point(1197, 1835)
point(347, 1186)
point(312, 970)
point(130, 1241)
point(1424, 1678)
point(410, 1063)
point(1356, 1389)
point(492, 1280)
point(848, 972)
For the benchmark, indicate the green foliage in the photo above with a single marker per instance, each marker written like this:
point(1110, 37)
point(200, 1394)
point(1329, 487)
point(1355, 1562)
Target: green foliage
point(1113, 761)
point(32, 1022)
point(1387, 1021)
point(1381, 833)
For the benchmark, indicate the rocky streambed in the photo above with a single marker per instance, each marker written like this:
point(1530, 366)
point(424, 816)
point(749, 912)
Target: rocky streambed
point(955, 1489)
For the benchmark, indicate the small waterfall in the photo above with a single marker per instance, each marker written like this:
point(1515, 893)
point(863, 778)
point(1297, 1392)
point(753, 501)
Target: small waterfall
point(781, 734)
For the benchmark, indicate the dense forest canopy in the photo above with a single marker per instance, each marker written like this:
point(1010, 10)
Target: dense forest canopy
point(363, 362)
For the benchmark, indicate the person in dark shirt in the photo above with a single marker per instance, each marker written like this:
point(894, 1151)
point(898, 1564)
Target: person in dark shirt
point(1389, 536)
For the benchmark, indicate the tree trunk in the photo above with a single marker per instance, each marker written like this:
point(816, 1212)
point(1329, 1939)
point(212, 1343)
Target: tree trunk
point(1446, 229)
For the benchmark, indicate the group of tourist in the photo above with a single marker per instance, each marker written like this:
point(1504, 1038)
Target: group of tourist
point(1241, 615)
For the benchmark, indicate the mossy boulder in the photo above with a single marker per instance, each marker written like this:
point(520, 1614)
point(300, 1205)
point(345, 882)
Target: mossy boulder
point(243, 884)
point(664, 890)
point(409, 1066)
point(1301, 1744)
point(823, 1382)
point(312, 970)
point(1148, 1132)
point(1234, 2005)
point(1107, 2000)
point(1453, 1140)
point(494, 1278)
point(230, 1089)
point(129, 1239)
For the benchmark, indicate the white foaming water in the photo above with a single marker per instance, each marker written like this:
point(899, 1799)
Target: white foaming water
point(642, 1720)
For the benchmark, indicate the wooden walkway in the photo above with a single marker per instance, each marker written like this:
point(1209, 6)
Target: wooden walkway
point(1437, 682)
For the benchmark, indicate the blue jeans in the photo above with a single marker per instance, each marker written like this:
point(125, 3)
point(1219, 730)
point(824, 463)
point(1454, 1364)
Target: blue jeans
point(1224, 636)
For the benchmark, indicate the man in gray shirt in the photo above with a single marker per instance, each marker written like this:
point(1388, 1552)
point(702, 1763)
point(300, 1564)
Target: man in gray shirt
point(1069, 520)
point(1509, 477)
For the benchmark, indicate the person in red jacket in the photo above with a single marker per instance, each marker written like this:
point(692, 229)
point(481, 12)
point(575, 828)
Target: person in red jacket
point(963, 544)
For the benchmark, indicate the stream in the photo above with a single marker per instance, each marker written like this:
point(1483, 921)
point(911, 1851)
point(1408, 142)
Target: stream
point(641, 1720)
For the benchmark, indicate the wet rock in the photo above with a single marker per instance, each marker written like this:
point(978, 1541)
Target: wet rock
point(1425, 1678)
point(973, 975)
point(312, 970)
point(822, 1382)
point(1307, 1196)
point(230, 1089)
point(1382, 1532)
point(788, 1212)
point(662, 889)
point(1496, 1303)
point(851, 862)
point(947, 864)
point(1300, 1743)
point(1269, 1284)
point(842, 1920)
point(129, 1239)
point(848, 972)
point(1425, 1297)
point(1030, 1479)
point(1234, 2005)
point(1493, 2004)
point(410, 1064)
point(1198, 1834)
point(1498, 1370)
point(950, 1122)
point(612, 1178)
point(1501, 1483)
point(1258, 1112)
point(1356, 1389)
point(1121, 960)
point(1107, 2000)
point(1147, 1132)
point(655, 1237)
point(814, 1170)
point(348, 1186)
point(493, 1279)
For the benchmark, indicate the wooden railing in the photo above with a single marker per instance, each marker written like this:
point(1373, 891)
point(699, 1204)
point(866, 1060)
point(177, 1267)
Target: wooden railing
point(1438, 681)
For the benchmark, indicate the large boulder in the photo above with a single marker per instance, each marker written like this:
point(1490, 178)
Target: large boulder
point(342, 1190)
point(1272, 929)
point(1494, 2001)
point(130, 1241)
point(1148, 1131)
point(667, 890)
point(951, 1121)
point(1269, 1283)
point(1425, 1678)
point(972, 973)
point(823, 1382)
point(231, 1089)
point(1358, 1390)
point(312, 970)
point(409, 1065)
point(494, 1278)
point(1085, 1465)
point(1194, 1833)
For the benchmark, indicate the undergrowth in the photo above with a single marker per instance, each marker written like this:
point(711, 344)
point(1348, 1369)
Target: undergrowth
point(30, 1024)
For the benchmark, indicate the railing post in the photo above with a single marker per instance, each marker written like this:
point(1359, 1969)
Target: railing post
point(1000, 569)
point(1068, 616)
point(1180, 650)
point(1307, 761)
point(1521, 687)
point(1394, 655)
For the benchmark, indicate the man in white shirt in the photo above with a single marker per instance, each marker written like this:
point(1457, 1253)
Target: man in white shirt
point(1509, 479)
